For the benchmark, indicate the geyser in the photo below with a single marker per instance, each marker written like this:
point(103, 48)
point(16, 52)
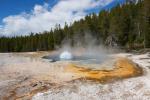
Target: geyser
point(76, 58)
point(65, 55)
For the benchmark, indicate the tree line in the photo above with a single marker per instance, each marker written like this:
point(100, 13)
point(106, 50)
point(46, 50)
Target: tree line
point(125, 26)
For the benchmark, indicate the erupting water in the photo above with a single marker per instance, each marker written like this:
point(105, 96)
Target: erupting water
point(66, 55)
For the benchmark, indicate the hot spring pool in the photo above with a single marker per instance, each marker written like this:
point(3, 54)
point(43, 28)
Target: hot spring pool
point(90, 61)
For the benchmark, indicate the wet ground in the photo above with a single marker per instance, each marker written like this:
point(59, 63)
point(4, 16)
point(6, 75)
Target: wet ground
point(136, 88)
point(24, 75)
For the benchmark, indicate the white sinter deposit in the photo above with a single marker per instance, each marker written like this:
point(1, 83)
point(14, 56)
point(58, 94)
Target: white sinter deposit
point(137, 88)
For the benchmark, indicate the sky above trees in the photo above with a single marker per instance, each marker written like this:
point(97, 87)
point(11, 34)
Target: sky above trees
point(21, 17)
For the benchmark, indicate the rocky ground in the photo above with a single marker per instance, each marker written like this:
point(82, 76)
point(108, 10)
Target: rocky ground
point(26, 76)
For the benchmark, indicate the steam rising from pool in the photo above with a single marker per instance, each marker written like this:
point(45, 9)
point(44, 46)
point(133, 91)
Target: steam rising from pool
point(66, 55)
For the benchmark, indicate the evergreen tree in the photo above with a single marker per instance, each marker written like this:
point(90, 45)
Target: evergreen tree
point(127, 25)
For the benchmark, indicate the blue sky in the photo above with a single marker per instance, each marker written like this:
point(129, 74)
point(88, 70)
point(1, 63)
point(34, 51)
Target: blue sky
point(13, 7)
point(22, 13)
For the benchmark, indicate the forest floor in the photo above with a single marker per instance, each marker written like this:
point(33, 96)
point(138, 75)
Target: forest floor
point(28, 76)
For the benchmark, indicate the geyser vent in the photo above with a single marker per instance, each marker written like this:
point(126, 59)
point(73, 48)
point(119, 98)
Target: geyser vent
point(66, 56)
